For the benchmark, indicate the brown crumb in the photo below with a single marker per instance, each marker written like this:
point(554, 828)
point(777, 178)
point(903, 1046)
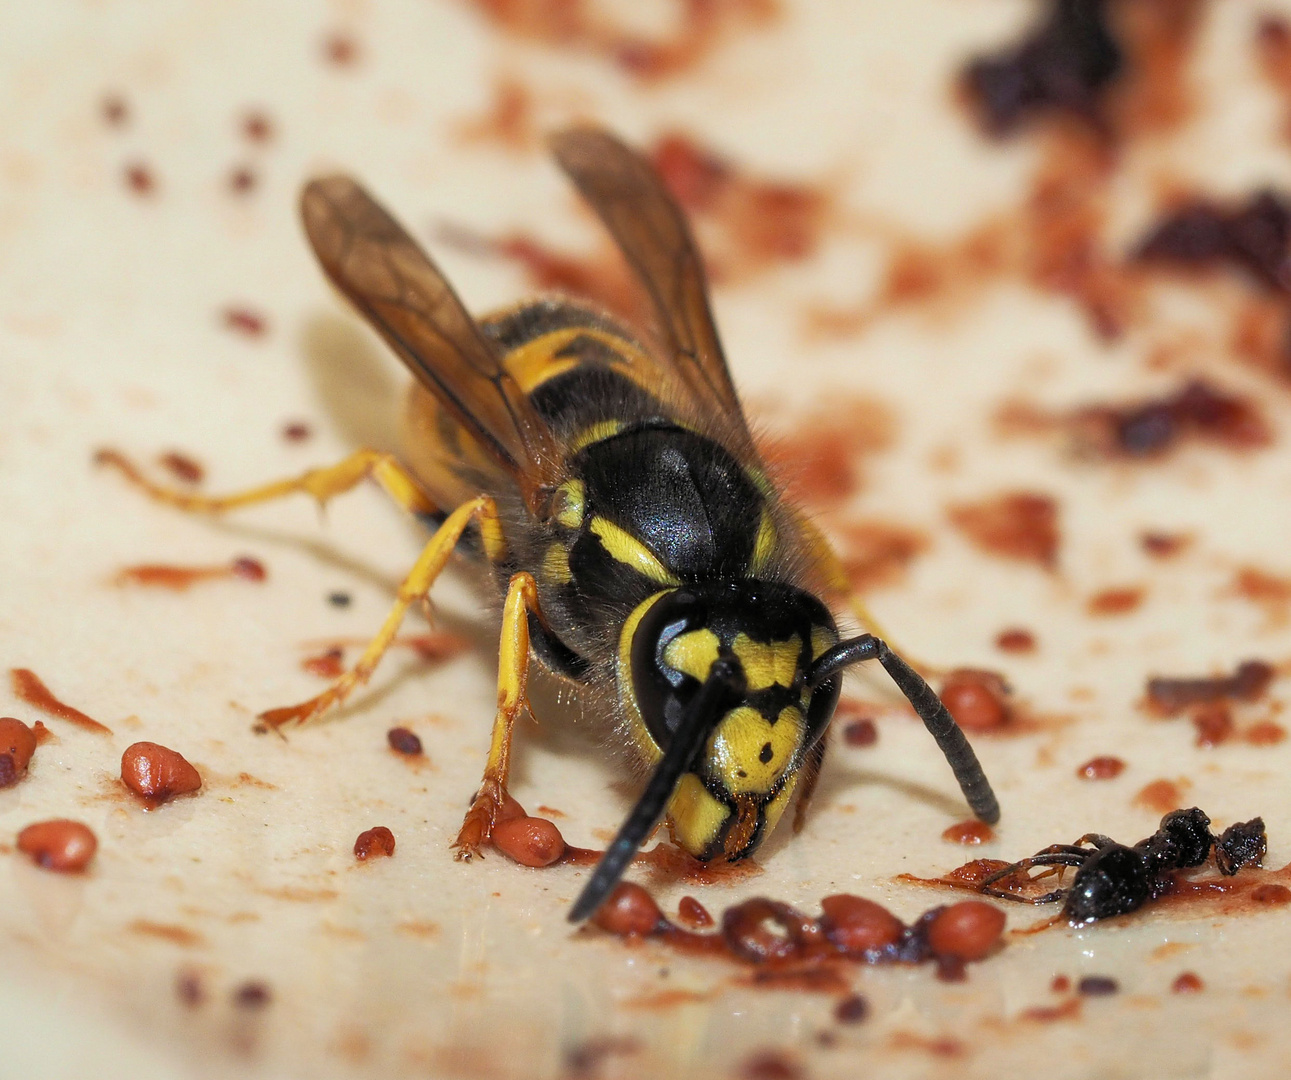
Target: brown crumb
point(403, 741)
point(1119, 601)
point(1015, 640)
point(182, 467)
point(296, 431)
point(252, 995)
point(1015, 525)
point(115, 111)
point(1248, 682)
point(1162, 796)
point(190, 989)
point(770, 1065)
point(978, 700)
point(1097, 986)
point(242, 180)
point(244, 321)
point(863, 732)
point(374, 843)
point(157, 774)
point(341, 49)
point(63, 846)
point(1163, 545)
point(256, 126)
point(140, 179)
point(1101, 768)
point(1214, 723)
point(853, 1009)
point(17, 745)
point(1187, 982)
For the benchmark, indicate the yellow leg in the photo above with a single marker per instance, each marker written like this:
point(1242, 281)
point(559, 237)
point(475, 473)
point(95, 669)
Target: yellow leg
point(415, 587)
point(322, 484)
point(513, 679)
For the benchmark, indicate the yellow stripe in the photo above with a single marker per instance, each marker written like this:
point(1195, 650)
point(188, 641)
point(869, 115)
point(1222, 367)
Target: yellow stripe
point(627, 549)
point(765, 545)
point(555, 565)
point(596, 433)
point(569, 502)
point(534, 362)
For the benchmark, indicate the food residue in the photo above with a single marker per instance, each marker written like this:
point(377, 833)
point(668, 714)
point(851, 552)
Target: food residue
point(374, 843)
point(862, 732)
point(244, 321)
point(1120, 601)
point(157, 774)
point(60, 845)
point(1101, 768)
point(17, 745)
point(252, 995)
point(180, 578)
point(340, 49)
point(140, 179)
point(969, 833)
point(978, 700)
point(1187, 982)
point(182, 467)
point(1163, 545)
point(328, 664)
point(1097, 986)
point(115, 110)
point(403, 741)
point(27, 686)
point(242, 179)
point(1161, 796)
point(1015, 640)
point(1248, 682)
point(1017, 525)
point(296, 431)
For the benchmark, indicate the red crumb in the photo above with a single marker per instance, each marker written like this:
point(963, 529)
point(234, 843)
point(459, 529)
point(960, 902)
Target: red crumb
point(1162, 796)
point(693, 914)
point(61, 845)
point(1248, 682)
point(978, 700)
point(863, 732)
point(403, 741)
point(17, 744)
point(249, 569)
point(1101, 768)
point(244, 321)
point(157, 773)
point(1060, 984)
point(1015, 525)
point(770, 1065)
point(1187, 982)
point(374, 843)
point(1115, 601)
point(1264, 733)
point(140, 180)
point(854, 925)
point(296, 431)
point(329, 664)
point(628, 910)
point(1161, 545)
point(340, 49)
point(115, 111)
point(242, 180)
point(967, 930)
point(27, 686)
point(256, 126)
point(529, 841)
point(969, 833)
point(182, 467)
point(1214, 724)
point(1015, 640)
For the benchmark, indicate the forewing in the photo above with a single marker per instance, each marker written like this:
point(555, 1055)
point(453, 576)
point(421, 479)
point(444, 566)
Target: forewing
point(652, 233)
point(384, 273)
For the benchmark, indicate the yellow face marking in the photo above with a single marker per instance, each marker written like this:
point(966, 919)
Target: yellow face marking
point(822, 639)
point(770, 663)
point(749, 754)
point(775, 808)
point(569, 503)
point(695, 816)
point(645, 744)
point(555, 565)
point(627, 549)
point(765, 545)
point(692, 652)
point(594, 434)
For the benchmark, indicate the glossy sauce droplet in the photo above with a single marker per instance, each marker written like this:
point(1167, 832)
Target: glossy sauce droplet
point(969, 832)
point(61, 845)
point(1101, 768)
point(374, 843)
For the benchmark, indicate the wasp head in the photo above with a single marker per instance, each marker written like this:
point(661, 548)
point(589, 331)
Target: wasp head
point(740, 774)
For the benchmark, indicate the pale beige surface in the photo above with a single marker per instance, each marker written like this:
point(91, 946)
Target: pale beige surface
point(109, 333)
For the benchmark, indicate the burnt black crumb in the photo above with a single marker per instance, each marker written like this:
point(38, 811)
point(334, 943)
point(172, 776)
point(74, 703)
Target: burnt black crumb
point(1242, 844)
point(852, 1010)
point(1062, 65)
point(403, 741)
point(339, 599)
point(1098, 986)
point(1254, 236)
point(252, 995)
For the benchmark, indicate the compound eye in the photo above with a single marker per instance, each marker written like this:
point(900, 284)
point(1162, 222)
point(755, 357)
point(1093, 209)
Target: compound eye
point(671, 655)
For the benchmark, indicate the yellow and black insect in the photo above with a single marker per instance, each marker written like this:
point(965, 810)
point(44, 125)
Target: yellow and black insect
point(610, 481)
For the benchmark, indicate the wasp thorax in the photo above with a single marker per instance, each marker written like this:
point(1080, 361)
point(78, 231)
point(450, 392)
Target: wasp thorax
point(743, 774)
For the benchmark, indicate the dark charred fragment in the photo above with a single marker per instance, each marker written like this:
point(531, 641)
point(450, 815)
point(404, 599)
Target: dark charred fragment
point(1247, 683)
point(1242, 844)
point(1063, 65)
point(1254, 236)
point(1114, 879)
point(1151, 428)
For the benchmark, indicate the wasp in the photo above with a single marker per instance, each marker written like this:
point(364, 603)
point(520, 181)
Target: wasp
point(608, 479)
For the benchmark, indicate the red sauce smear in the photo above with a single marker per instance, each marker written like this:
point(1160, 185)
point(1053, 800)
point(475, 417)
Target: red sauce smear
point(27, 686)
point(180, 578)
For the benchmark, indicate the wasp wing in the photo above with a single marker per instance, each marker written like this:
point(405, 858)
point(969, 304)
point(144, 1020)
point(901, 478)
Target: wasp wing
point(388, 277)
point(651, 231)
